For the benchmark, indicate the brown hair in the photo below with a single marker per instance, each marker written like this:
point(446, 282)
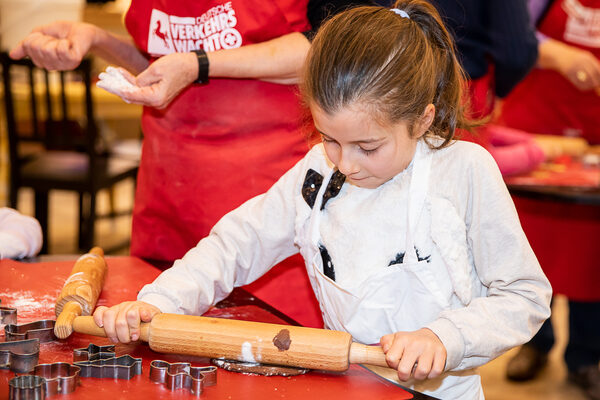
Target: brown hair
point(394, 66)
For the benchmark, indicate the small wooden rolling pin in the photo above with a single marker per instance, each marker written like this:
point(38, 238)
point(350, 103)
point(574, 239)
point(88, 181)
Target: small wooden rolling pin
point(80, 291)
point(249, 341)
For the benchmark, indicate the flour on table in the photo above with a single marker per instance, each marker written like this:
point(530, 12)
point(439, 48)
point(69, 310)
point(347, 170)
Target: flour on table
point(30, 307)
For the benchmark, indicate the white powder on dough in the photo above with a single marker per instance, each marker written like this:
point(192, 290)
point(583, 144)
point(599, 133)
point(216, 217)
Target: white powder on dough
point(247, 355)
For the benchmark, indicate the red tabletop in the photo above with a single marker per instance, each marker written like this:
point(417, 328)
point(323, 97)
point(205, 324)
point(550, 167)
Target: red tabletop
point(565, 179)
point(33, 289)
point(559, 209)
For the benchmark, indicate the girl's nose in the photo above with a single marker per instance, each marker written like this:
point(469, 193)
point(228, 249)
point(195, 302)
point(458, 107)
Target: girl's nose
point(347, 164)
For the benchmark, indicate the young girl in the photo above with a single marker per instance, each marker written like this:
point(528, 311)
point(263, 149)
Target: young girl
point(410, 239)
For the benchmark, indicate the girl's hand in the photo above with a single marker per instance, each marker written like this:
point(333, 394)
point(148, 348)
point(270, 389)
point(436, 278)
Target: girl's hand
point(419, 354)
point(122, 322)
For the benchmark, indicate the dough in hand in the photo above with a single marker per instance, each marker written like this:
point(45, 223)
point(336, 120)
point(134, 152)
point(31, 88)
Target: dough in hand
point(113, 81)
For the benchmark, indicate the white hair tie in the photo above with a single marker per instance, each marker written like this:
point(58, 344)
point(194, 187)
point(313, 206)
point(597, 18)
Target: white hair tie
point(401, 13)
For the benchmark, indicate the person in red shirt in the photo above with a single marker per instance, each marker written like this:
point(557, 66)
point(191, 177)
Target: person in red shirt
point(222, 119)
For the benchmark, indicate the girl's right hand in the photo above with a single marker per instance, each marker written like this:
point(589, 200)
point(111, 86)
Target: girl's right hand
point(122, 322)
point(58, 46)
point(419, 354)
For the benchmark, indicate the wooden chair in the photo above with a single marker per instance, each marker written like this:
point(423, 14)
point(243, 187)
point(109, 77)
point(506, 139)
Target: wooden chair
point(67, 154)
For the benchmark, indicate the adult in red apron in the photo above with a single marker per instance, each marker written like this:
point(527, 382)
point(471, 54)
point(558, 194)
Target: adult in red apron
point(216, 145)
point(497, 49)
point(547, 102)
point(564, 236)
point(553, 105)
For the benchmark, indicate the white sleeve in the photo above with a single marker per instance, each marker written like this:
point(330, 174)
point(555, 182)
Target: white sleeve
point(20, 235)
point(240, 248)
point(516, 294)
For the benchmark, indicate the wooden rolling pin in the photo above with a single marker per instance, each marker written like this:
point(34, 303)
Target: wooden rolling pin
point(249, 341)
point(80, 291)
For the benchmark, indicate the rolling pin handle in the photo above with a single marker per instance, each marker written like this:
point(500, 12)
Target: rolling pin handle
point(64, 322)
point(363, 354)
point(87, 325)
point(97, 251)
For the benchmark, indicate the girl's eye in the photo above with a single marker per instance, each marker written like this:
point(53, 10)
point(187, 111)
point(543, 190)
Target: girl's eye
point(369, 151)
point(326, 139)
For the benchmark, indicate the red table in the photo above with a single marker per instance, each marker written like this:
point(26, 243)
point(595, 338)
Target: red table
point(564, 180)
point(33, 289)
point(559, 209)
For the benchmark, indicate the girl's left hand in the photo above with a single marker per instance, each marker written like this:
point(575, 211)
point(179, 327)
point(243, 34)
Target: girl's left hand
point(420, 354)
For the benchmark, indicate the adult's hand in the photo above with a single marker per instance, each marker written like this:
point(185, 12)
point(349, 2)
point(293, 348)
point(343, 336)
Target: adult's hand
point(162, 81)
point(60, 45)
point(555, 146)
point(579, 66)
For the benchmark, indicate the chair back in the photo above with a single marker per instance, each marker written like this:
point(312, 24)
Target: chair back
point(40, 113)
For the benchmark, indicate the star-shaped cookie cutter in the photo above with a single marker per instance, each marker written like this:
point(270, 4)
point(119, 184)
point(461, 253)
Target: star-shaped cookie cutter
point(100, 362)
point(123, 367)
point(93, 353)
point(182, 375)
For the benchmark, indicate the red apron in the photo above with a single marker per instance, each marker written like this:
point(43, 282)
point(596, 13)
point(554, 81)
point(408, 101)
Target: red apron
point(214, 146)
point(564, 236)
point(480, 98)
point(545, 101)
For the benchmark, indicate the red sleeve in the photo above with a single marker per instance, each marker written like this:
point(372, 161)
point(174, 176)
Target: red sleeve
point(514, 150)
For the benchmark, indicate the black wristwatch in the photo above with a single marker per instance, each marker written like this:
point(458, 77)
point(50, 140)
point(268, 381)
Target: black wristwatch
point(202, 66)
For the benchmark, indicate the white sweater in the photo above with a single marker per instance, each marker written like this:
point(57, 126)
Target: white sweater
point(498, 292)
point(20, 235)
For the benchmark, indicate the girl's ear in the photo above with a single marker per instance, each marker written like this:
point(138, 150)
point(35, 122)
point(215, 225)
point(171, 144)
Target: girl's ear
point(425, 121)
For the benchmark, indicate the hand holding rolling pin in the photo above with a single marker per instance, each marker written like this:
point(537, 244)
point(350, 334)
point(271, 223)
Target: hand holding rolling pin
point(419, 353)
point(122, 322)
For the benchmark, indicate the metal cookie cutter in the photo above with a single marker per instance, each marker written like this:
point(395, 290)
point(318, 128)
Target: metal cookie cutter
point(59, 378)
point(21, 356)
point(8, 315)
point(26, 387)
point(124, 367)
point(47, 380)
point(93, 353)
point(42, 330)
point(183, 375)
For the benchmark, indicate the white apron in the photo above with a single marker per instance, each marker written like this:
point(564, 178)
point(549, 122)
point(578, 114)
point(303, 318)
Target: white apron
point(404, 297)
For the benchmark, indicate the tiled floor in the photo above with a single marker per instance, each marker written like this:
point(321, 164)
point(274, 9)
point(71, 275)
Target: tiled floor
point(551, 384)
